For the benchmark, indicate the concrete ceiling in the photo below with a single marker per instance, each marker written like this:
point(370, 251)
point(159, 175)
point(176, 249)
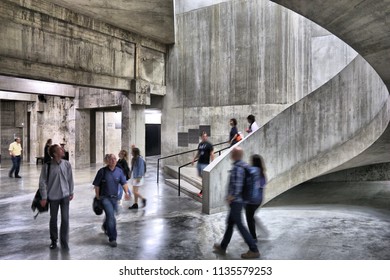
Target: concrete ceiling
point(150, 18)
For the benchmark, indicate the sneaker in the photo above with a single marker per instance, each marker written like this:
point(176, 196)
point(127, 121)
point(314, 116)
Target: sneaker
point(200, 195)
point(134, 206)
point(250, 255)
point(17, 176)
point(113, 243)
point(143, 202)
point(218, 249)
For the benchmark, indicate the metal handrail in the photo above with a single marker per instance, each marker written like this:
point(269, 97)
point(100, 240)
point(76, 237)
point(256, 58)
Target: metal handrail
point(179, 154)
point(184, 165)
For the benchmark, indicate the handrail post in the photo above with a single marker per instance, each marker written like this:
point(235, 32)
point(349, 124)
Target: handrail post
point(158, 160)
point(178, 186)
point(158, 170)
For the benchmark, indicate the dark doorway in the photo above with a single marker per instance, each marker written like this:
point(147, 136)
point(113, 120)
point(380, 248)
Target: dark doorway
point(153, 139)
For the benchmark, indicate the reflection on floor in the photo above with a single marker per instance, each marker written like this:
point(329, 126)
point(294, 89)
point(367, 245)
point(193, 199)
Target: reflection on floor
point(312, 221)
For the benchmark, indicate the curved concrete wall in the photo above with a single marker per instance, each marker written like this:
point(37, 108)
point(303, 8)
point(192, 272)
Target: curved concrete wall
point(238, 58)
point(364, 26)
point(327, 128)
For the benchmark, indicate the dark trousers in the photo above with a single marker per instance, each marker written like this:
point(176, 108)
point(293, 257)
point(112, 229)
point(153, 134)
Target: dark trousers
point(250, 210)
point(15, 166)
point(234, 218)
point(55, 205)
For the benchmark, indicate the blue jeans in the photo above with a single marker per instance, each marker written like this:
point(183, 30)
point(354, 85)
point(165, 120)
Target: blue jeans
point(15, 166)
point(234, 218)
point(110, 207)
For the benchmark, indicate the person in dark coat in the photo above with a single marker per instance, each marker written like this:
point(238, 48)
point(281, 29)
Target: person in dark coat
point(252, 205)
point(46, 155)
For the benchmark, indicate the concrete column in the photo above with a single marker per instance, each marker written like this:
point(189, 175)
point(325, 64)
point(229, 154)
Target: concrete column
point(82, 142)
point(1, 136)
point(133, 125)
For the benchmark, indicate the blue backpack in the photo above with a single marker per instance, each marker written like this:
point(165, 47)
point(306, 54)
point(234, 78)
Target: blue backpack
point(252, 190)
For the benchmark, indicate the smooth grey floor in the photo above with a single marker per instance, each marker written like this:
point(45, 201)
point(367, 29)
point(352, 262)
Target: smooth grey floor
point(322, 221)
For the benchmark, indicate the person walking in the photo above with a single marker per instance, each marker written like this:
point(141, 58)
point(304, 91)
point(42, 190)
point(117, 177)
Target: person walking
point(253, 126)
point(46, 156)
point(204, 156)
point(56, 187)
point(137, 173)
point(234, 135)
point(106, 184)
point(15, 151)
point(122, 164)
point(252, 205)
point(235, 201)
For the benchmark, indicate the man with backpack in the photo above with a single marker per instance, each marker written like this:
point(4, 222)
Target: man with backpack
point(106, 185)
point(56, 186)
point(237, 183)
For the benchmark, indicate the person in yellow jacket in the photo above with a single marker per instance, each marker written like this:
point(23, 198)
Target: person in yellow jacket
point(15, 151)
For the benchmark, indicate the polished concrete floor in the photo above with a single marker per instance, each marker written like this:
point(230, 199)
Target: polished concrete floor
point(322, 221)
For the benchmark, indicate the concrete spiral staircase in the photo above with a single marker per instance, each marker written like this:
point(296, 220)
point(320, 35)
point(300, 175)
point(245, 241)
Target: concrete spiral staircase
point(343, 124)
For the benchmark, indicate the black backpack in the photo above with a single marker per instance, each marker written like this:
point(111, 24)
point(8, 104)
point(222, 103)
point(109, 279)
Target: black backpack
point(97, 206)
point(36, 203)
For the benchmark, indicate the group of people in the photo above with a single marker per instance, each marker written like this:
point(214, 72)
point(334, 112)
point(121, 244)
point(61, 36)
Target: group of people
point(235, 136)
point(205, 150)
point(237, 202)
point(56, 187)
point(204, 155)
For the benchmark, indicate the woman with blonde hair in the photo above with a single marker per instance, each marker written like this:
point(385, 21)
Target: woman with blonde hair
point(137, 175)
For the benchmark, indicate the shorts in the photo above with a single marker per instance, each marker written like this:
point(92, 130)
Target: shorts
point(137, 184)
point(200, 167)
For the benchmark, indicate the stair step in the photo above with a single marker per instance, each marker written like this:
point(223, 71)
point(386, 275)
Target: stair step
point(185, 188)
point(189, 174)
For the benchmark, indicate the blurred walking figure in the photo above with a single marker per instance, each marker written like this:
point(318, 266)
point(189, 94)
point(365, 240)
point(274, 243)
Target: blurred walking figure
point(236, 203)
point(252, 205)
